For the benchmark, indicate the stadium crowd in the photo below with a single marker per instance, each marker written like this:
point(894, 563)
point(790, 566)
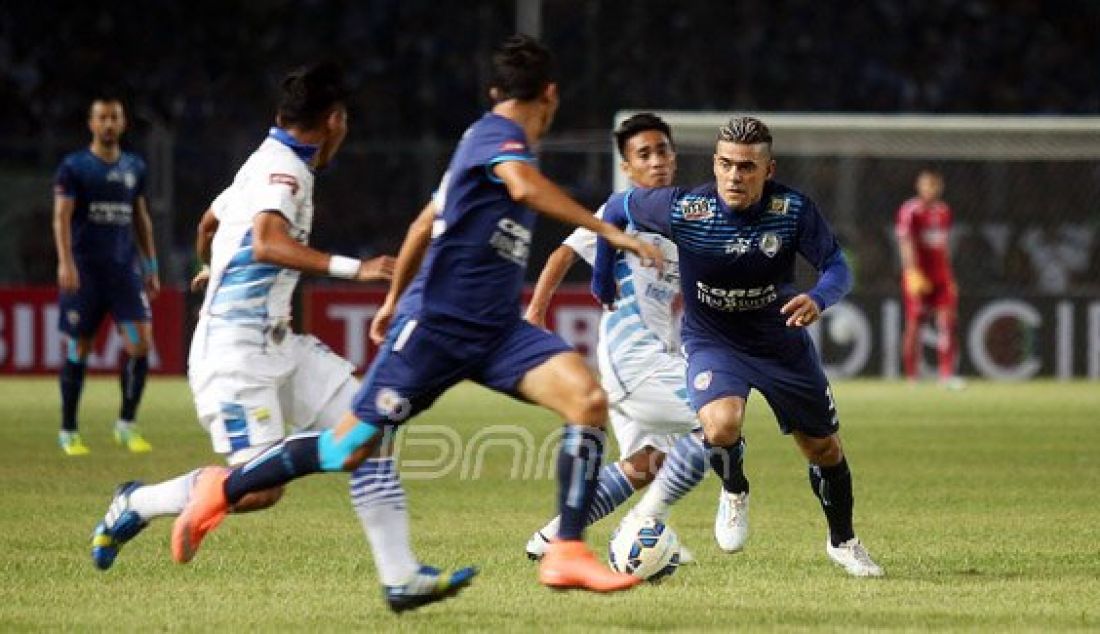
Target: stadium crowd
point(204, 71)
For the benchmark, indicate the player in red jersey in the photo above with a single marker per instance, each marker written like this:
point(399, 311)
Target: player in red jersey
point(928, 285)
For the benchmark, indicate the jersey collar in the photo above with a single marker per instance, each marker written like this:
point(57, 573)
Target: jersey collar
point(304, 151)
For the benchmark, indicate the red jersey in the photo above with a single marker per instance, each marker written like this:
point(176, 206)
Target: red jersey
point(928, 226)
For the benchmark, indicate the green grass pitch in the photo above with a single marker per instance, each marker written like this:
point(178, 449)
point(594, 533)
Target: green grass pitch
point(981, 505)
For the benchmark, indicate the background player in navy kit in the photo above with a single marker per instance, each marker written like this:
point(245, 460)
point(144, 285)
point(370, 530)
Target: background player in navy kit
point(459, 319)
point(99, 208)
point(744, 323)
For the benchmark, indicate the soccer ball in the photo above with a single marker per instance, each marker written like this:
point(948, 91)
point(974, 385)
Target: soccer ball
point(644, 547)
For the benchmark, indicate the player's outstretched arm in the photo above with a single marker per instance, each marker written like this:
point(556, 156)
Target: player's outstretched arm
point(408, 263)
point(272, 244)
point(527, 185)
point(68, 280)
point(557, 265)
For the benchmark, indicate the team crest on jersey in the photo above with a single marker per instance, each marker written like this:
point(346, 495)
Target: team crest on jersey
point(392, 405)
point(738, 246)
point(697, 208)
point(779, 205)
point(285, 179)
point(702, 380)
point(73, 316)
point(770, 243)
point(127, 178)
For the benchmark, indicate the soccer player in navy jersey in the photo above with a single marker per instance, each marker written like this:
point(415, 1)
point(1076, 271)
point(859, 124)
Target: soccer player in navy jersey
point(452, 313)
point(99, 210)
point(744, 321)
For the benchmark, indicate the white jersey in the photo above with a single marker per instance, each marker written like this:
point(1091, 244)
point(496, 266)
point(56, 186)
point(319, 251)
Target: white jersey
point(251, 377)
point(645, 322)
point(242, 291)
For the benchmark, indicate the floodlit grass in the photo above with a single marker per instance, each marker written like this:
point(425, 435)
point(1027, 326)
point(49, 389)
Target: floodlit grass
point(981, 505)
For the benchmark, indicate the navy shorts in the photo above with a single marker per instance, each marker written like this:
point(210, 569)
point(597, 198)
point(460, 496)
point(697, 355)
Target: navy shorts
point(416, 364)
point(115, 290)
point(796, 387)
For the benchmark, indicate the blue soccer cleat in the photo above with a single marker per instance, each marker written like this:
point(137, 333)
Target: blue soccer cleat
point(428, 585)
point(118, 526)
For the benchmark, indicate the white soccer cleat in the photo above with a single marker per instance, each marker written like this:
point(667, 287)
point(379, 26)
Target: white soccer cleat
point(731, 523)
point(854, 558)
point(536, 546)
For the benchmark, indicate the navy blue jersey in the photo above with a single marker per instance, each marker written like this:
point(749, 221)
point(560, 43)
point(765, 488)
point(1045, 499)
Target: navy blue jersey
point(736, 268)
point(103, 195)
point(472, 273)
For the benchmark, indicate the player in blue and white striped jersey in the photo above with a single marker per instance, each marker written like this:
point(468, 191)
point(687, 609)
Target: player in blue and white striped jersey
point(639, 357)
point(253, 378)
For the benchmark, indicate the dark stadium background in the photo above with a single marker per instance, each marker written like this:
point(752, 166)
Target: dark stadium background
point(198, 80)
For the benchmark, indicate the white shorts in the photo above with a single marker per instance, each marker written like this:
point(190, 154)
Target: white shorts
point(656, 412)
point(250, 395)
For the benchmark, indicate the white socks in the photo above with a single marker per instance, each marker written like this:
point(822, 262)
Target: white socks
point(379, 501)
point(164, 498)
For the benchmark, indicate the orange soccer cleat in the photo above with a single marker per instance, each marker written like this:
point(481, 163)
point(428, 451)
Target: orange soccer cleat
point(570, 564)
point(205, 509)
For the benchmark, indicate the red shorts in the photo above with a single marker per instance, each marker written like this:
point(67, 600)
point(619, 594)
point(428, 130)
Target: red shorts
point(944, 294)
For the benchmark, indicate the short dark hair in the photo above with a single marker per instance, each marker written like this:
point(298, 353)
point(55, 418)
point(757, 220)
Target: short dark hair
point(105, 97)
point(641, 122)
point(745, 130)
point(521, 68)
point(308, 93)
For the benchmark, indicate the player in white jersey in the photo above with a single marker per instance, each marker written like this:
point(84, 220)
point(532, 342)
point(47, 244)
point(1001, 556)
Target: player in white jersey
point(639, 357)
point(253, 378)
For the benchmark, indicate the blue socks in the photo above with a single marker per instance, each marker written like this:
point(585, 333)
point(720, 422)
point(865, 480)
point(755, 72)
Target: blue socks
point(833, 488)
point(72, 383)
point(290, 459)
point(132, 379)
point(295, 457)
point(685, 467)
point(612, 489)
point(727, 462)
point(578, 470)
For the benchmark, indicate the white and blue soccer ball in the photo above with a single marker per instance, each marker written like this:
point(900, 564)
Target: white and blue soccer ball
point(644, 547)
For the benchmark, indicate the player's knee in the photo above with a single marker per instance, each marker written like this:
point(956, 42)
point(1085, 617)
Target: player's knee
point(259, 500)
point(139, 349)
point(592, 407)
point(722, 421)
point(724, 436)
point(824, 452)
point(77, 349)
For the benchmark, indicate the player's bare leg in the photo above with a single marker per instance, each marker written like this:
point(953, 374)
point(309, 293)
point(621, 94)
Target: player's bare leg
point(565, 385)
point(722, 420)
point(137, 337)
point(831, 482)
